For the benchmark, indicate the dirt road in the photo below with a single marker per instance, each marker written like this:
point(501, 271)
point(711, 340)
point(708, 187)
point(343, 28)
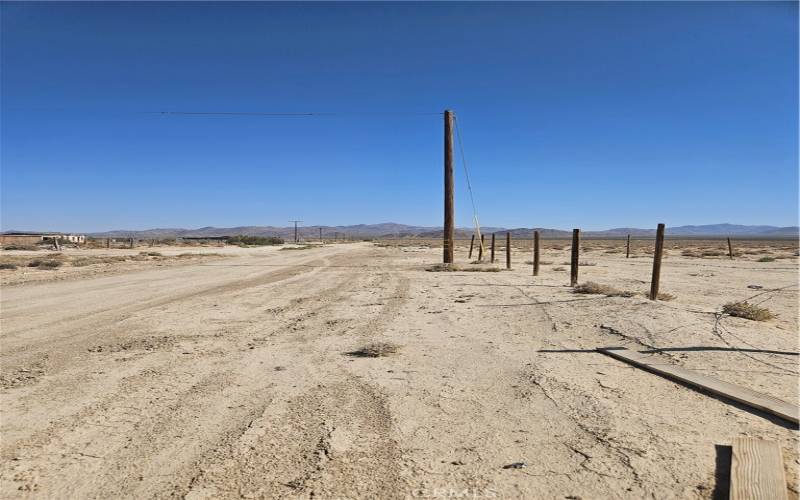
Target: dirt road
point(232, 378)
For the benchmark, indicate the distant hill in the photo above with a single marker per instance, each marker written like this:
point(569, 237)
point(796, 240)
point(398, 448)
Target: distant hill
point(394, 230)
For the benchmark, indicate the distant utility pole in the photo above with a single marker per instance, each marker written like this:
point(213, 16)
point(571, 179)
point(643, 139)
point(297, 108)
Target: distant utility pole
point(295, 229)
point(449, 209)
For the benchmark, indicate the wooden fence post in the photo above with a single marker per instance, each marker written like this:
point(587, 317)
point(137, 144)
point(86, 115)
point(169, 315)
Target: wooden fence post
point(730, 249)
point(657, 262)
point(508, 250)
point(536, 253)
point(628, 248)
point(573, 264)
point(471, 244)
point(108, 242)
point(131, 244)
point(492, 248)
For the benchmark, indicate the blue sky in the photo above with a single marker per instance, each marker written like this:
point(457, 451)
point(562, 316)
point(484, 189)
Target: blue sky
point(590, 115)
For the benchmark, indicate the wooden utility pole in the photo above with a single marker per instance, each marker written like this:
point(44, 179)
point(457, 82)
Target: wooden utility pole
point(508, 249)
point(320, 235)
point(295, 229)
point(573, 264)
point(492, 248)
point(536, 253)
point(730, 249)
point(449, 203)
point(657, 262)
point(480, 250)
point(628, 248)
point(471, 244)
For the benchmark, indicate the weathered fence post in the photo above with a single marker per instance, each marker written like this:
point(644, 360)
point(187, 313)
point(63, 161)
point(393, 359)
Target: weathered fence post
point(536, 253)
point(628, 248)
point(657, 262)
point(730, 249)
point(508, 250)
point(492, 248)
point(108, 242)
point(131, 243)
point(471, 244)
point(573, 264)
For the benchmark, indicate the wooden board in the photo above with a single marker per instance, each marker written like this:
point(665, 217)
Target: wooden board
point(773, 406)
point(757, 470)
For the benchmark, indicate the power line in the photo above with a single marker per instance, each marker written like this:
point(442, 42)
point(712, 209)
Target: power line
point(466, 172)
point(248, 113)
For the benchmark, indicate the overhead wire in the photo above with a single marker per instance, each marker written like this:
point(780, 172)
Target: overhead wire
point(469, 184)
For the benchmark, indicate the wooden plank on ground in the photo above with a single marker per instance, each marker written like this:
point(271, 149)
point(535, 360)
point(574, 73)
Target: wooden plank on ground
point(757, 470)
point(773, 406)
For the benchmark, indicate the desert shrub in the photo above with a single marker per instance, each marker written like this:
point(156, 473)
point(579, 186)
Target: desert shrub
point(585, 263)
point(440, 268)
point(255, 240)
point(591, 287)
point(151, 254)
point(482, 269)
point(7, 265)
point(661, 296)
point(21, 247)
point(376, 350)
point(748, 311)
point(301, 247)
point(44, 264)
point(766, 259)
point(559, 268)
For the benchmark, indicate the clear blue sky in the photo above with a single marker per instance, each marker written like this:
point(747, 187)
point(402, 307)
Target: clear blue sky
point(590, 115)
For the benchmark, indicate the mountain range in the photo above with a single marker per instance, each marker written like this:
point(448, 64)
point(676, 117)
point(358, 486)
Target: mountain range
point(394, 230)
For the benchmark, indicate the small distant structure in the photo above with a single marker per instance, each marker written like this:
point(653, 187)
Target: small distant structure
point(18, 238)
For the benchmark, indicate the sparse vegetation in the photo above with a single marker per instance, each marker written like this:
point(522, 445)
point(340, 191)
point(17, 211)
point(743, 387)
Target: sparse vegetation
point(151, 254)
point(243, 240)
point(559, 268)
point(45, 264)
point(585, 263)
point(7, 265)
point(666, 297)
point(376, 350)
point(443, 268)
point(590, 287)
point(747, 310)
point(21, 247)
point(300, 247)
point(766, 259)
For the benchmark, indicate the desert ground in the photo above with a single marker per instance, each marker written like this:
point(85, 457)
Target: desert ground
point(240, 372)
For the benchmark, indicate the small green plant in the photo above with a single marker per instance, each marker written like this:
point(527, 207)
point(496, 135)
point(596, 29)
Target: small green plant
point(766, 259)
point(747, 311)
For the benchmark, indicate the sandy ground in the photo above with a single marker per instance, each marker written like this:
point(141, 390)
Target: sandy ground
point(231, 377)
